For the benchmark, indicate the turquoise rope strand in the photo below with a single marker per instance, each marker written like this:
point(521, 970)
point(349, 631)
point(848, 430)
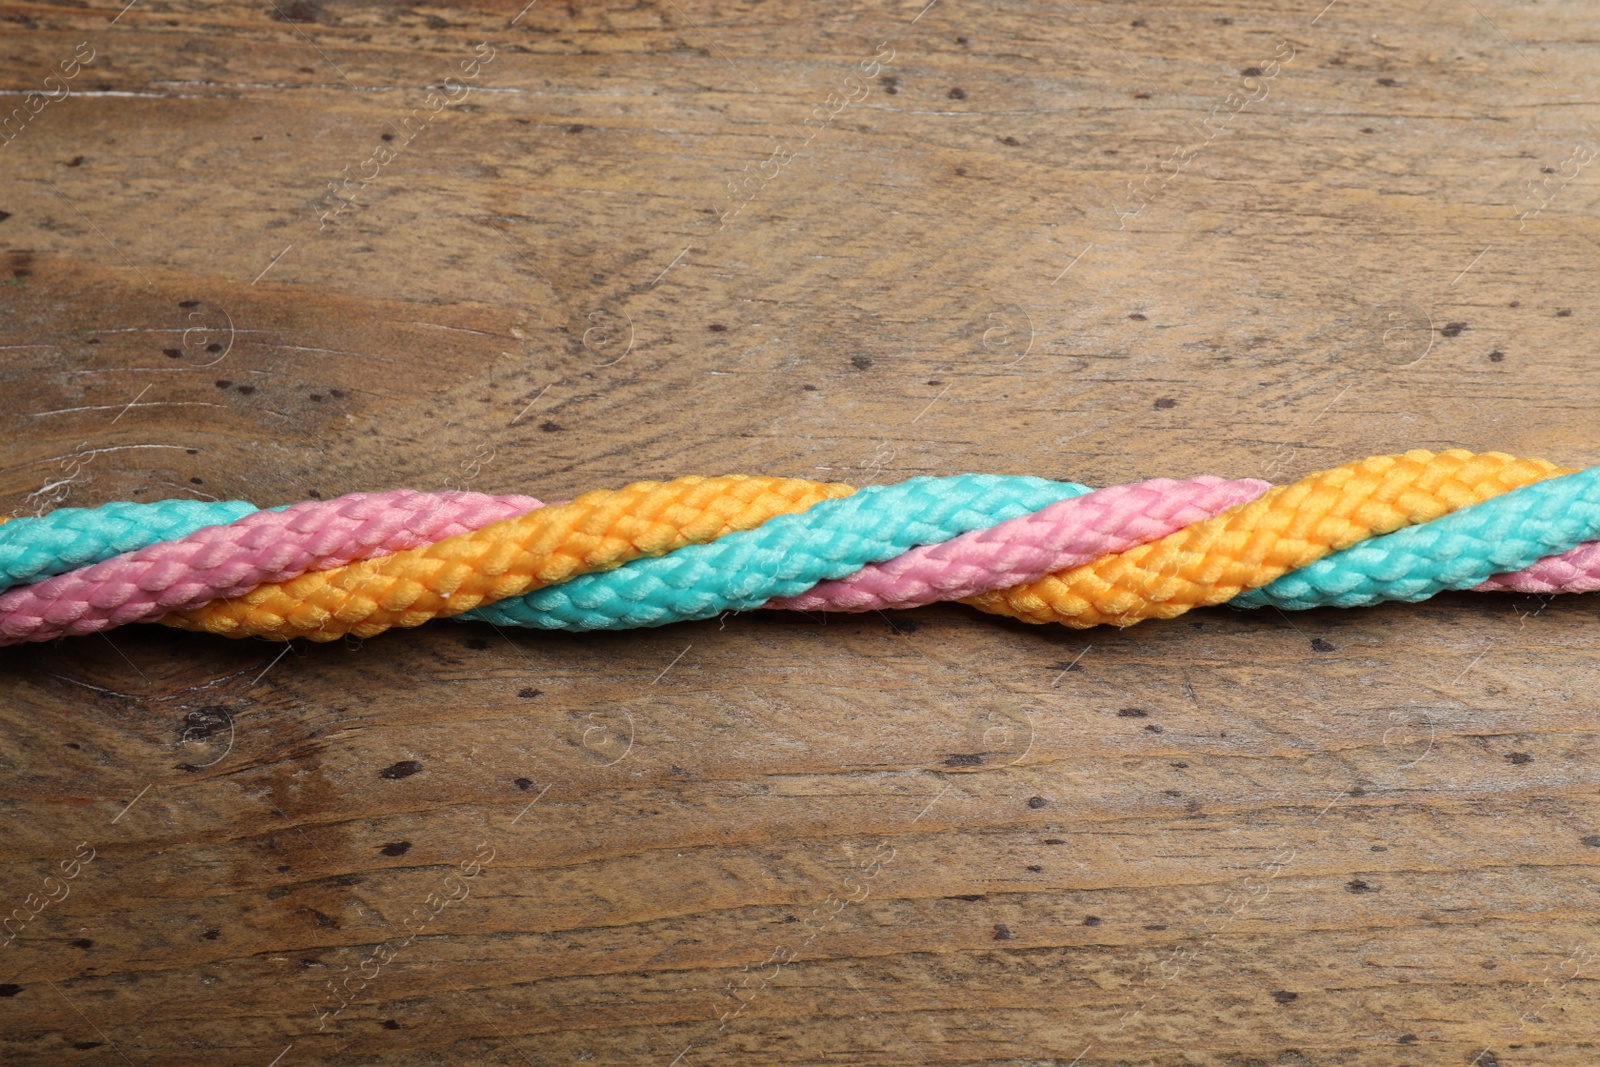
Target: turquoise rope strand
point(42, 546)
point(781, 557)
point(1456, 551)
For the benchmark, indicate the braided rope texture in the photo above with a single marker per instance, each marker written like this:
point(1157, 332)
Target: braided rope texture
point(221, 561)
point(1397, 527)
point(597, 531)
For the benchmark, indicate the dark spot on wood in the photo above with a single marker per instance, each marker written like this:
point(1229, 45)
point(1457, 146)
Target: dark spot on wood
point(960, 172)
point(1389, 82)
point(1355, 790)
point(404, 769)
point(809, 388)
point(1182, 766)
point(9, 989)
point(1141, 96)
point(1379, 848)
point(197, 481)
point(861, 362)
point(315, 398)
point(296, 10)
point(1408, 1039)
point(212, 934)
point(1223, 20)
point(84, 1046)
point(528, 692)
point(1496, 356)
point(323, 920)
point(1368, 129)
point(1166, 402)
point(717, 327)
point(1547, 170)
point(1136, 317)
point(81, 942)
point(247, 389)
point(188, 303)
point(1035, 867)
point(337, 394)
point(967, 896)
point(1002, 932)
point(1319, 645)
point(1283, 996)
point(1054, 841)
point(957, 93)
point(1073, 666)
point(173, 353)
point(1155, 729)
point(214, 347)
point(1156, 926)
point(386, 136)
point(1009, 140)
point(315, 494)
point(93, 341)
point(576, 127)
point(437, 23)
point(202, 724)
point(550, 427)
point(1137, 23)
point(390, 1024)
point(1171, 793)
point(1486, 1059)
point(1519, 758)
point(396, 848)
point(1133, 713)
point(965, 760)
point(523, 784)
point(1514, 304)
point(1037, 802)
point(1091, 920)
point(1452, 329)
point(282, 867)
point(223, 383)
point(1356, 885)
point(961, 40)
point(276, 894)
point(902, 626)
point(476, 643)
point(75, 161)
point(1251, 72)
point(891, 84)
point(4, 215)
point(1564, 313)
point(1593, 841)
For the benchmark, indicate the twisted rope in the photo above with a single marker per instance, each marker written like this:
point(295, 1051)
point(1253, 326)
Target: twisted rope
point(1386, 528)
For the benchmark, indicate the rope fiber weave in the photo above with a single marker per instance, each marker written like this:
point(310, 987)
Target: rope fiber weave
point(1397, 527)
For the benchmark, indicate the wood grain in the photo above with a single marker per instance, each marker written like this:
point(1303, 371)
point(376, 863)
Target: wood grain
point(853, 242)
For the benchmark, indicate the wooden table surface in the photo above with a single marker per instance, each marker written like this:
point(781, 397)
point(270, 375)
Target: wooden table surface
point(299, 248)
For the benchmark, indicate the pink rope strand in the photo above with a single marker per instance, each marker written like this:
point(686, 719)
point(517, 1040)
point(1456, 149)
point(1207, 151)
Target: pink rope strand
point(1065, 534)
point(229, 560)
point(1576, 570)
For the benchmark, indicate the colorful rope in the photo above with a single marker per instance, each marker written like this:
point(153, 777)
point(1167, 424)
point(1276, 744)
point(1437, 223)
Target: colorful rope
point(1387, 528)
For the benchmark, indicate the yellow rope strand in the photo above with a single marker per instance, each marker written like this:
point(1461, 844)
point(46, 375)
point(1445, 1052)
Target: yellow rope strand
point(1287, 527)
point(597, 531)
